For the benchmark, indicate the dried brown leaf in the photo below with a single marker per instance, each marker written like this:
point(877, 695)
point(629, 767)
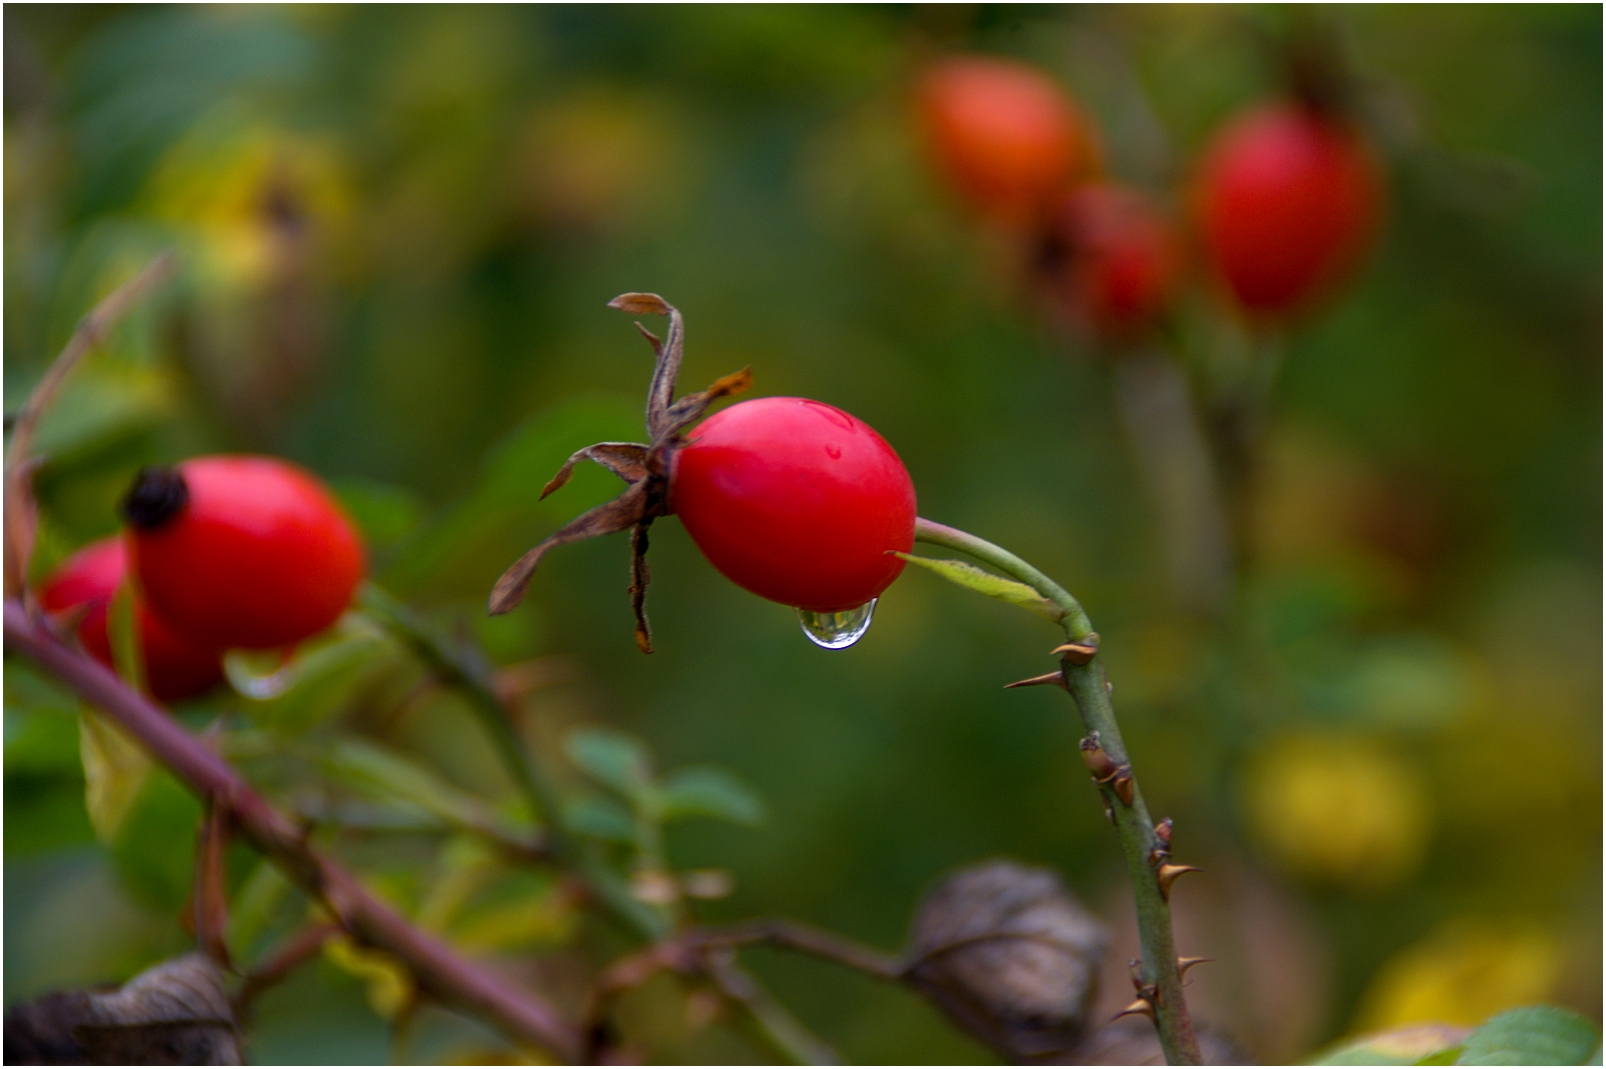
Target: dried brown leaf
point(625, 459)
point(1010, 956)
point(622, 512)
point(640, 576)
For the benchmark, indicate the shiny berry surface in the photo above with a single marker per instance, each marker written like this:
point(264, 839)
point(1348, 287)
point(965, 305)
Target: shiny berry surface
point(1288, 200)
point(1006, 136)
point(258, 555)
point(86, 581)
point(796, 501)
point(1121, 257)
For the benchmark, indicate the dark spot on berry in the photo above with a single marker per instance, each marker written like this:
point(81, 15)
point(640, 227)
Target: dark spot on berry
point(158, 494)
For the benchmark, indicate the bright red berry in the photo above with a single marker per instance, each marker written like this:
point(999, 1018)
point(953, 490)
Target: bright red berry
point(1120, 257)
point(1288, 200)
point(241, 551)
point(796, 501)
point(174, 668)
point(1004, 134)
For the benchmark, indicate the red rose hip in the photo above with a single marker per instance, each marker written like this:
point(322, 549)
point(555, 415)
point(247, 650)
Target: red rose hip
point(174, 669)
point(1004, 134)
point(1288, 200)
point(242, 551)
point(796, 501)
point(1122, 258)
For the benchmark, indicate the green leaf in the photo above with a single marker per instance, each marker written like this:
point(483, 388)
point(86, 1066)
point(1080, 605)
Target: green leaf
point(613, 759)
point(601, 818)
point(373, 768)
point(115, 768)
point(706, 791)
point(321, 679)
point(994, 586)
point(254, 908)
point(1534, 1035)
point(1446, 1056)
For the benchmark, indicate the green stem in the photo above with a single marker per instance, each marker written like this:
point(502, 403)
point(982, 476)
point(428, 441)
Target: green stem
point(1091, 691)
point(464, 667)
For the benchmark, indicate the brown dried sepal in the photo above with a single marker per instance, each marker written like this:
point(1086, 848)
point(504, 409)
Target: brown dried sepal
point(644, 467)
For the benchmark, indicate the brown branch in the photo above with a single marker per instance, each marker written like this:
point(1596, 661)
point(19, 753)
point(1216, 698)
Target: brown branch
point(437, 968)
point(21, 513)
point(297, 951)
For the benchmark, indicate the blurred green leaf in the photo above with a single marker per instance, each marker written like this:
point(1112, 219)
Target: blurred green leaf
point(1410, 1045)
point(385, 514)
point(613, 759)
point(1534, 1035)
point(601, 818)
point(115, 768)
point(122, 628)
point(254, 908)
point(155, 848)
point(707, 791)
point(994, 586)
point(41, 742)
point(320, 680)
point(375, 769)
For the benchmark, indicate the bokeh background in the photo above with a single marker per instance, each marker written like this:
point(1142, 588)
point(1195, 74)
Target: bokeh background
point(399, 227)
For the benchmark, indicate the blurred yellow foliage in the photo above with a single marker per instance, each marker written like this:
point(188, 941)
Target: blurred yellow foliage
point(1464, 973)
point(390, 986)
point(1338, 809)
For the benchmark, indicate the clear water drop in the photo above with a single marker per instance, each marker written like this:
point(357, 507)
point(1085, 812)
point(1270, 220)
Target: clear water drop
point(836, 630)
point(259, 675)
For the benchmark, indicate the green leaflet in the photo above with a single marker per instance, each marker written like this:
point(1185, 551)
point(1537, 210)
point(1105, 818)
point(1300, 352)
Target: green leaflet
point(706, 791)
point(122, 628)
point(1533, 1035)
point(994, 586)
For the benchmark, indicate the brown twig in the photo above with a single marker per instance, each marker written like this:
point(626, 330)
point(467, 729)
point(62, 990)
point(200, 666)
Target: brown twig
point(297, 951)
point(437, 968)
point(21, 517)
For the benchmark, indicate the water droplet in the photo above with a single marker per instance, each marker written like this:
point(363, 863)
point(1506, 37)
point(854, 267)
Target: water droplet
point(837, 630)
point(259, 674)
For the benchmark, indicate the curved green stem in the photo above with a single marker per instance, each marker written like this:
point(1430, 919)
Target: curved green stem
point(464, 667)
point(1091, 692)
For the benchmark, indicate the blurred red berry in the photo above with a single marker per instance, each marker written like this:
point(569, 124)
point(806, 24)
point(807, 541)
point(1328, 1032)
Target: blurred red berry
point(242, 551)
point(174, 668)
point(1118, 256)
point(1288, 200)
point(1005, 136)
point(796, 501)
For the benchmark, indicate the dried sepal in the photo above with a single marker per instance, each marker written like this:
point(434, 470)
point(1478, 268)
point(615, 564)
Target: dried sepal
point(640, 576)
point(644, 467)
point(623, 512)
point(625, 459)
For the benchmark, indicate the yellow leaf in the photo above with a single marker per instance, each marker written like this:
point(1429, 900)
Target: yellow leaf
point(390, 985)
point(115, 768)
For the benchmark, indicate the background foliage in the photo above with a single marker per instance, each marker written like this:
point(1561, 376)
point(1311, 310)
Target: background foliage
point(400, 226)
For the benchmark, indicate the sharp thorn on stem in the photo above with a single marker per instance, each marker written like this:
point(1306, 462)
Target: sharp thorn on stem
point(1184, 964)
point(1139, 1006)
point(1047, 679)
point(1079, 652)
point(1168, 875)
point(1122, 785)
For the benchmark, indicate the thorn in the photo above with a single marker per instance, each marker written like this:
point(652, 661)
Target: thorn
point(1097, 761)
point(1047, 679)
point(1162, 831)
point(1122, 785)
point(1081, 651)
point(1140, 1005)
point(1168, 875)
point(1184, 964)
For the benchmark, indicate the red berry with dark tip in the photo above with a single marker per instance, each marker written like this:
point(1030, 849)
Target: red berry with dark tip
point(242, 551)
point(174, 669)
point(1288, 201)
point(796, 501)
point(1005, 135)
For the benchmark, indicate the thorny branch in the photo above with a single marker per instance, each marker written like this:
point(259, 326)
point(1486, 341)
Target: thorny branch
point(437, 968)
point(1147, 853)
